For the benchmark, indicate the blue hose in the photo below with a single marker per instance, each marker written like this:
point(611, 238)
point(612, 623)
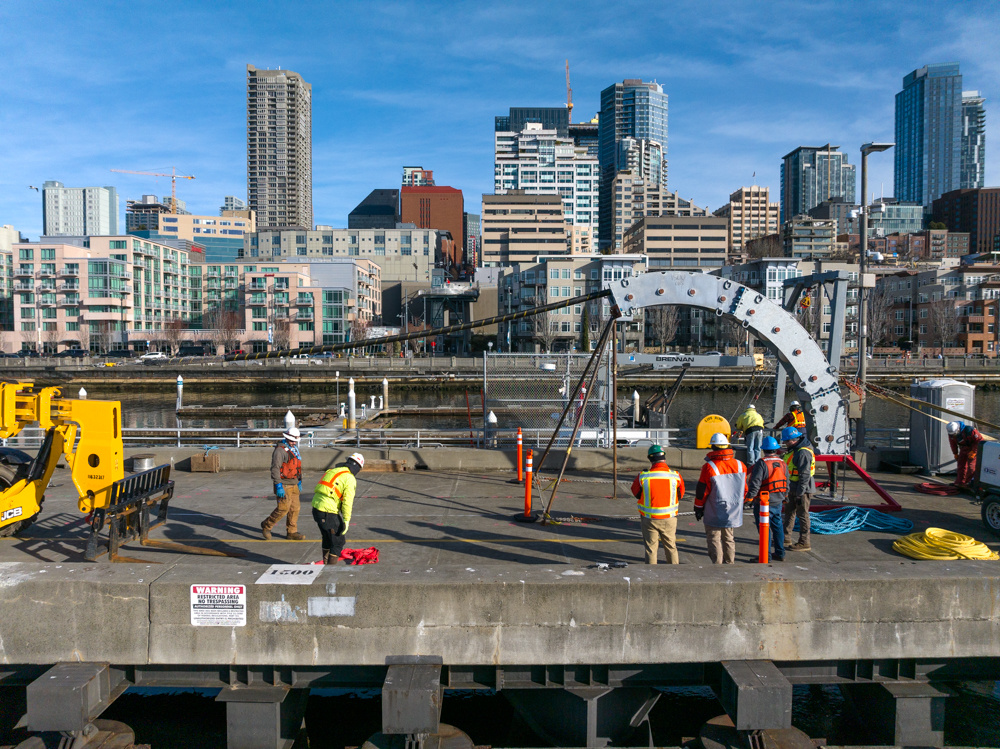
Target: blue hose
point(847, 519)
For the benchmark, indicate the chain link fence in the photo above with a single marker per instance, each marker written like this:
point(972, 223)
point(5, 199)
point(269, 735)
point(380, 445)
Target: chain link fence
point(531, 391)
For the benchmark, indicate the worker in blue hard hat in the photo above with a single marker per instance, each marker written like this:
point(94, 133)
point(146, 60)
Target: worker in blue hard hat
point(770, 474)
point(659, 491)
point(801, 462)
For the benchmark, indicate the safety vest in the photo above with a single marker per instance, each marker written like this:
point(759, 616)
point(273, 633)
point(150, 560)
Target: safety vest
point(793, 472)
point(329, 491)
point(724, 506)
point(798, 419)
point(291, 468)
point(777, 476)
point(659, 494)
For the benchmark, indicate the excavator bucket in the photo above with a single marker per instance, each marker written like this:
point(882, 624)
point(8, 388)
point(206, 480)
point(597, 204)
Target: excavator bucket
point(130, 513)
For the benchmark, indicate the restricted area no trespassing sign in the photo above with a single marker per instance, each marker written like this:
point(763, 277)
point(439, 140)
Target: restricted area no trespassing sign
point(218, 605)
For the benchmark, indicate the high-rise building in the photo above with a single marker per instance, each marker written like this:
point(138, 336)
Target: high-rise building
point(517, 228)
point(810, 238)
point(380, 210)
point(585, 135)
point(473, 239)
point(539, 161)
point(751, 214)
point(279, 148)
point(973, 211)
point(973, 141)
point(436, 207)
point(73, 211)
point(636, 197)
point(929, 134)
point(630, 109)
point(417, 176)
point(550, 118)
point(812, 174)
point(232, 203)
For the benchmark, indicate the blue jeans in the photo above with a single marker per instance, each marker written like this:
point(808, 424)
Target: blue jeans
point(776, 529)
point(754, 440)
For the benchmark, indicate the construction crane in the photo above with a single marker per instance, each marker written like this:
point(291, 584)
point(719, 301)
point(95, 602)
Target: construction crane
point(174, 176)
point(569, 95)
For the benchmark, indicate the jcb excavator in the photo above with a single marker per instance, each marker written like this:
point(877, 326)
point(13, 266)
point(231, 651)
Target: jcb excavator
point(88, 434)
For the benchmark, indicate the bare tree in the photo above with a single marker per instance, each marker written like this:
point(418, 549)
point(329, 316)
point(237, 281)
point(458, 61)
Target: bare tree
point(545, 330)
point(225, 325)
point(103, 336)
point(728, 333)
point(664, 321)
point(50, 337)
point(943, 322)
point(282, 334)
point(29, 337)
point(766, 246)
point(878, 303)
point(173, 333)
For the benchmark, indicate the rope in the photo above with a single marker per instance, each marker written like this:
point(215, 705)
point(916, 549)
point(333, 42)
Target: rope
point(937, 543)
point(848, 519)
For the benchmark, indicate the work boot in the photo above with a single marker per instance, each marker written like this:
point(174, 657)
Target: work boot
point(265, 531)
point(788, 541)
point(296, 537)
point(800, 546)
point(332, 559)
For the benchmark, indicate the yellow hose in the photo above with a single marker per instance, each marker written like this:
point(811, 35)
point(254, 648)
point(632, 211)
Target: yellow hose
point(937, 543)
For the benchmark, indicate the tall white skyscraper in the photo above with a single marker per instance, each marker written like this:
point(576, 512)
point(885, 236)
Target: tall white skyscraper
point(973, 141)
point(78, 211)
point(279, 148)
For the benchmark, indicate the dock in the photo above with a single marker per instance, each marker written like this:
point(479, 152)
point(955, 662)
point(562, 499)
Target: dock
point(485, 602)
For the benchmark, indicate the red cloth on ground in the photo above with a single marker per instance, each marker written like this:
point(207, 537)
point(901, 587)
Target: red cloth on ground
point(360, 556)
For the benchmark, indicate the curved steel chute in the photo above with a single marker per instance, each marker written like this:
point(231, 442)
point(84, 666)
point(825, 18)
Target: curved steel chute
point(813, 377)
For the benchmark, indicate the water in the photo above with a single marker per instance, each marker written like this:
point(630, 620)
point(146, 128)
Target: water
point(169, 719)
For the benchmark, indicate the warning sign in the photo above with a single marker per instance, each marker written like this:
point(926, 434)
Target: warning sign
point(289, 574)
point(218, 605)
point(955, 404)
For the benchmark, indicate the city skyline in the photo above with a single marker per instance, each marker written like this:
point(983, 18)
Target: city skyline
point(393, 95)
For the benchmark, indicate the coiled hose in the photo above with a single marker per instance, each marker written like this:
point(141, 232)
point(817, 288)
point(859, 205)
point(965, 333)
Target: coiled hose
point(847, 519)
point(937, 543)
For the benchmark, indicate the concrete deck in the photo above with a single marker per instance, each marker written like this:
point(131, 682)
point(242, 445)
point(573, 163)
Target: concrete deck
point(459, 578)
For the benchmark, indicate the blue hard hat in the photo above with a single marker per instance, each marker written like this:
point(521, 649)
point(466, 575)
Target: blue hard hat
point(770, 444)
point(790, 433)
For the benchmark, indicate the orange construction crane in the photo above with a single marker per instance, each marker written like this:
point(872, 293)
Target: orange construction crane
point(569, 95)
point(174, 176)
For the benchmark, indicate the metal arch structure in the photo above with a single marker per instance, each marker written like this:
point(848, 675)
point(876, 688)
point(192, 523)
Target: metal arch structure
point(815, 380)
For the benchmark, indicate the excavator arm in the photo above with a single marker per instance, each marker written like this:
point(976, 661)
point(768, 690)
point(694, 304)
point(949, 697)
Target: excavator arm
point(87, 433)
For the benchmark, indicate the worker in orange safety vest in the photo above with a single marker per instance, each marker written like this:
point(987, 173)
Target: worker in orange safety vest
point(659, 491)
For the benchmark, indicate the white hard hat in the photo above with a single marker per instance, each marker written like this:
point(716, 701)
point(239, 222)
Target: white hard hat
point(292, 435)
point(795, 403)
point(357, 458)
point(752, 406)
point(954, 427)
point(719, 440)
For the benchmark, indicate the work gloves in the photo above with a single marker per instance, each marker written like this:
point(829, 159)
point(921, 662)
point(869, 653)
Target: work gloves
point(699, 513)
point(300, 484)
point(279, 490)
point(343, 528)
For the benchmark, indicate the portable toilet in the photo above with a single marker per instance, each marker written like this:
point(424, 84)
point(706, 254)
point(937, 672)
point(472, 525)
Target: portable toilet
point(928, 436)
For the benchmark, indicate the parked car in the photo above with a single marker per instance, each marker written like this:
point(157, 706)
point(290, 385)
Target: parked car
point(26, 354)
point(71, 353)
point(120, 353)
point(191, 351)
point(714, 353)
point(153, 356)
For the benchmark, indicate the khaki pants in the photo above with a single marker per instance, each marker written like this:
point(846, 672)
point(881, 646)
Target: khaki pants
point(287, 507)
point(798, 507)
point(721, 544)
point(655, 531)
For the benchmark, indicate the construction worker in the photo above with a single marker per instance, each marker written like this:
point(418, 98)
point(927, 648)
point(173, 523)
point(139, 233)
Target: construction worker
point(770, 474)
point(794, 418)
point(286, 475)
point(658, 490)
point(801, 462)
point(719, 499)
point(332, 504)
point(751, 426)
point(964, 441)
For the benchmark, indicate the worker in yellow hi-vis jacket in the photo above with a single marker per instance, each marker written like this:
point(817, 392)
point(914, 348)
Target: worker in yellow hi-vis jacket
point(332, 504)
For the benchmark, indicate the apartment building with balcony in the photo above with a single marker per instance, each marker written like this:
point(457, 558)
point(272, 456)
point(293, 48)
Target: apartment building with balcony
point(221, 237)
point(518, 227)
point(637, 196)
point(751, 214)
point(553, 278)
point(405, 253)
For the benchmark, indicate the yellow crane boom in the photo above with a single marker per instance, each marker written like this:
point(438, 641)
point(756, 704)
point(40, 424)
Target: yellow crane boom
point(174, 176)
point(569, 95)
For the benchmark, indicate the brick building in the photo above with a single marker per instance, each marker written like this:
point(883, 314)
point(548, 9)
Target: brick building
point(436, 207)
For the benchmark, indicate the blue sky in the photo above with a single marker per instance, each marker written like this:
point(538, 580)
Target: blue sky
point(91, 86)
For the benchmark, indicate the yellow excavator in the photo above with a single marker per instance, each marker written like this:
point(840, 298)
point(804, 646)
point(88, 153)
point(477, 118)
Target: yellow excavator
point(88, 434)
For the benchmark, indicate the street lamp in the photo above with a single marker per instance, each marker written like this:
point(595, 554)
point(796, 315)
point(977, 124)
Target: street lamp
point(866, 149)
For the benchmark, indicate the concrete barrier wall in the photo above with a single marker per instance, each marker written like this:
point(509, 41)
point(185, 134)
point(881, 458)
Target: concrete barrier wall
point(136, 614)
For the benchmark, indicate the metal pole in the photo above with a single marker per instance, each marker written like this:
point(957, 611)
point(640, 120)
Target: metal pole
point(614, 424)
